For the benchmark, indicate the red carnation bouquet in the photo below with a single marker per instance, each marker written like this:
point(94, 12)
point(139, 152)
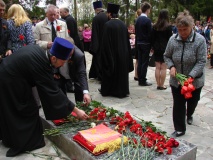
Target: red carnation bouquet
point(187, 86)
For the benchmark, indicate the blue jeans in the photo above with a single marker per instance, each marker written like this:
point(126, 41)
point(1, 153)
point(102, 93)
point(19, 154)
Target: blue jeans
point(143, 61)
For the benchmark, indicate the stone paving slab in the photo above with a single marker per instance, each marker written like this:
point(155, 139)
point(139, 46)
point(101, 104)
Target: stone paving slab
point(156, 106)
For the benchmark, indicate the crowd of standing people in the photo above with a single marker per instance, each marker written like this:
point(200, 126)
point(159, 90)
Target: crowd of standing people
point(41, 61)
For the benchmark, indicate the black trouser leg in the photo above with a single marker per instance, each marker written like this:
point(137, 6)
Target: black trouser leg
point(192, 102)
point(179, 110)
point(143, 61)
point(179, 107)
point(211, 60)
point(0, 134)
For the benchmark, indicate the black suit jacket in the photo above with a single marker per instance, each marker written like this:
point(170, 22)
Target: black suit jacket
point(73, 30)
point(5, 42)
point(77, 70)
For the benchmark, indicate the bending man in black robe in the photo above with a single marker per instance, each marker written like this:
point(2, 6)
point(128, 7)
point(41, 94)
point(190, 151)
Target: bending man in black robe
point(20, 125)
point(116, 56)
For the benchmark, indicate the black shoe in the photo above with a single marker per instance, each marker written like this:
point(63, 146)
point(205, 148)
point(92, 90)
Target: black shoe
point(135, 78)
point(70, 91)
point(99, 89)
point(177, 134)
point(161, 88)
point(190, 120)
point(145, 84)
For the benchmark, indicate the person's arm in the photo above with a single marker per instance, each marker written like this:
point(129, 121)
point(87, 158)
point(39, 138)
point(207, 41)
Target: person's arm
point(197, 70)
point(29, 33)
point(37, 35)
point(168, 58)
point(82, 78)
point(9, 43)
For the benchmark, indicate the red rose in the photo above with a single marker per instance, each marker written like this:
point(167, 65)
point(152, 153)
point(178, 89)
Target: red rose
point(68, 31)
point(21, 37)
point(58, 28)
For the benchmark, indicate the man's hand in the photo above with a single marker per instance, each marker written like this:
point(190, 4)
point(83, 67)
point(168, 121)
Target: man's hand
point(56, 76)
point(49, 45)
point(80, 113)
point(87, 99)
point(9, 52)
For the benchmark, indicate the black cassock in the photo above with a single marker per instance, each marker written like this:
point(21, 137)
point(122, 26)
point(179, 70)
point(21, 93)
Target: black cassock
point(95, 46)
point(20, 125)
point(116, 59)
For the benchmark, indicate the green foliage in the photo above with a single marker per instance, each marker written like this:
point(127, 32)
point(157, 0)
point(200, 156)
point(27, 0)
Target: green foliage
point(198, 8)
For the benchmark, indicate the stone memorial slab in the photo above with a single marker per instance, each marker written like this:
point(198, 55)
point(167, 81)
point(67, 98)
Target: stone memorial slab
point(185, 151)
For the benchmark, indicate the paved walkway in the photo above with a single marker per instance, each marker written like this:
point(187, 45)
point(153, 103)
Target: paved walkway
point(156, 106)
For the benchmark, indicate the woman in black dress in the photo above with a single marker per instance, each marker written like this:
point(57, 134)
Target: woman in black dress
point(161, 33)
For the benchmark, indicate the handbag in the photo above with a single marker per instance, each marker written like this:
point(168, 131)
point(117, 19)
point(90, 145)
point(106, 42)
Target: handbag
point(151, 60)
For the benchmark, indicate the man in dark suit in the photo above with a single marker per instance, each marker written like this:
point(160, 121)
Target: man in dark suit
point(5, 42)
point(78, 75)
point(143, 28)
point(72, 26)
point(75, 69)
point(73, 32)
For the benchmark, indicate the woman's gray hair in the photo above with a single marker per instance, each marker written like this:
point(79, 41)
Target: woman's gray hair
point(184, 19)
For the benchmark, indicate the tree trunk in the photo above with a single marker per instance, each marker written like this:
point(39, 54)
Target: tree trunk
point(75, 10)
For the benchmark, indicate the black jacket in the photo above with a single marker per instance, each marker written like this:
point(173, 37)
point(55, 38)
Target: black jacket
point(5, 42)
point(73, 30)
point(77, 70)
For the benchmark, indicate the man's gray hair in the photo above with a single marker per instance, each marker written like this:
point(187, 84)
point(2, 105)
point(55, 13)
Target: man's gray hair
point(50, 7)
point(2, 4)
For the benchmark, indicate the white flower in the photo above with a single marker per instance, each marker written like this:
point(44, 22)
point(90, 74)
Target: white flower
point(116, 115)
point(108, 114)
point(93, 124)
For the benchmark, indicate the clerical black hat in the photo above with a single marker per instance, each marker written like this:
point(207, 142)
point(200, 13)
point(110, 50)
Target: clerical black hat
point(113, 8)
point(97, 4)
point(61, 48)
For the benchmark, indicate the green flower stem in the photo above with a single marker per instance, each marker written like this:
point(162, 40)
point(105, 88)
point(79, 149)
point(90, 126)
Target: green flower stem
point(181, 78)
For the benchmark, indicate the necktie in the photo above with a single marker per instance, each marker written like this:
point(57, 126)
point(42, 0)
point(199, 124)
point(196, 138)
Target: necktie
point(53, 32)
